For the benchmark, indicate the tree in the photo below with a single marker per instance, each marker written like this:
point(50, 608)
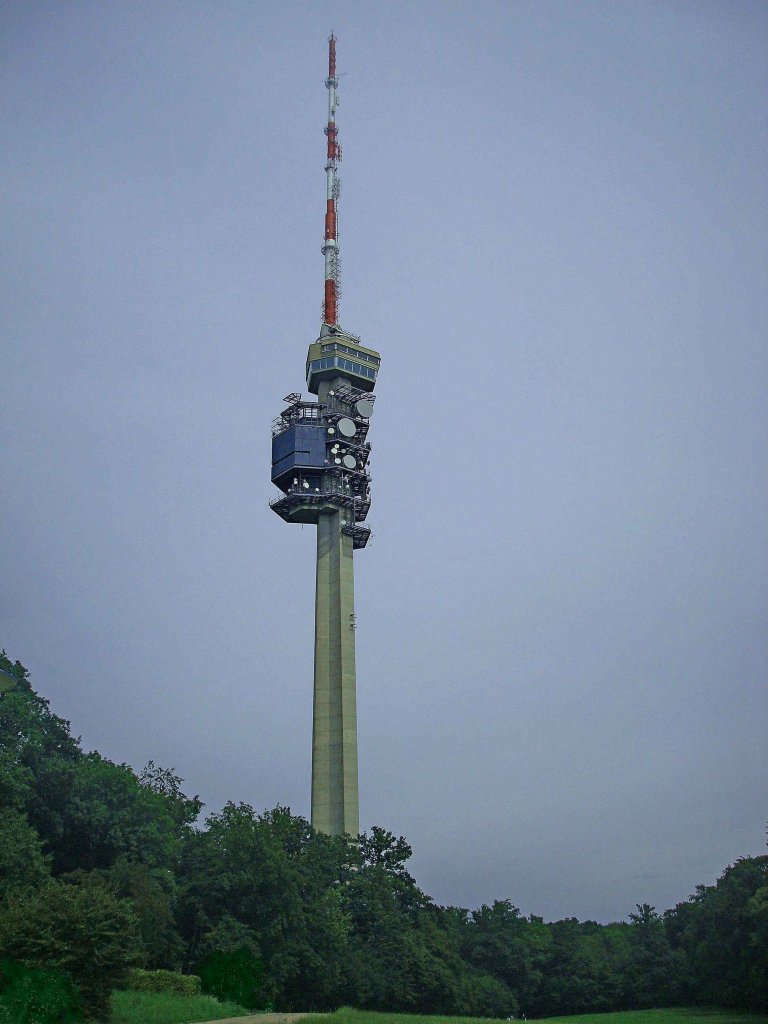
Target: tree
point(502, 943)
point(582, 970)
point(31, 736)
point(404, 952)
point(86, 810)
point(107, 814)
point(166, 783)
point(82, 930)
point(652, 974)
point(151, 893)
point(100, 869)
point(22, 861)
point(721, 932)
point(275, 876)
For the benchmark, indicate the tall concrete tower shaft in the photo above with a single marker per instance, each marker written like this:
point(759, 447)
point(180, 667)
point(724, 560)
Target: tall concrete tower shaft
point(334, 718)
point(320, 459)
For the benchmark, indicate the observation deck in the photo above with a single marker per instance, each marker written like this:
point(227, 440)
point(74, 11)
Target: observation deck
point(339, 354)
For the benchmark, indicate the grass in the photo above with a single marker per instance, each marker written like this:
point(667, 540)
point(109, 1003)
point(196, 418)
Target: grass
point(346, 1015)
point(676, 1015)
point(673, 1016)
point(163, 1008)
point(151, 1008)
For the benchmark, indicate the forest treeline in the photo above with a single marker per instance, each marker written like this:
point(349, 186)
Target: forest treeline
point(103, 870)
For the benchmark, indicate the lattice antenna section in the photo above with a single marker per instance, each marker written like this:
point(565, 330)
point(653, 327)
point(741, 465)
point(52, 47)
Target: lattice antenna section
point(333, 156)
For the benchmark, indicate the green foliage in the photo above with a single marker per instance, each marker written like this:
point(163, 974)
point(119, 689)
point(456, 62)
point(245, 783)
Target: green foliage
point(274, 876)
point(652, 969)
point(381, 849)
point(37, 996)
point(502, 943)
point(102, 812)
point(8, 680)
point(580, 972)
point(165, 783)
point(235, 975)
point(22, 862)
point(403, 952)
point(721, 935)
point(227, 935)
point(86, 810)
point(164, 981)
point(163, 1008)
point(151, 893)
point(31, 739)
point(482, 995)
point(102, 871)
point(82, 930)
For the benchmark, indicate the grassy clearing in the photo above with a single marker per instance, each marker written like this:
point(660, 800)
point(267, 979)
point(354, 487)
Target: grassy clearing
point(674, 1016)
point(163, 1008)
point(150, 1008)
point(346, 1015)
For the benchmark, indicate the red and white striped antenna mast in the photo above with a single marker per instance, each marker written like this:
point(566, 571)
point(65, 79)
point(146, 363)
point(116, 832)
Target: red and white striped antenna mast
point(331, 243)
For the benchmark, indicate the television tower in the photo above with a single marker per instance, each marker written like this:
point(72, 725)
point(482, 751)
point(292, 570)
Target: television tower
point(320, 459)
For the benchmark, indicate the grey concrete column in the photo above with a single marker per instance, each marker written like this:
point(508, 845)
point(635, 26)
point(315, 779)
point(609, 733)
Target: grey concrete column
point(334, 727)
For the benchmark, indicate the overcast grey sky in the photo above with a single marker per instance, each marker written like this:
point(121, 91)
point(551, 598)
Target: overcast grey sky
point(553, 220)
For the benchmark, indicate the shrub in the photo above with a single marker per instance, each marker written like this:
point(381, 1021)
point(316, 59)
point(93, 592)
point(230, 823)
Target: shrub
point(236, 975)
point(37, 996)
point(164, 981)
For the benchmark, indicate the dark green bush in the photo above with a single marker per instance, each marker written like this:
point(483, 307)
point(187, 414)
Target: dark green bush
point(81, 930)
point(164, 981)
point(31, 995)
point(236, 975)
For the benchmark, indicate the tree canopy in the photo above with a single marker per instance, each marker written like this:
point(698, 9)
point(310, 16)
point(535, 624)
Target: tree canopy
point(103, 869)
